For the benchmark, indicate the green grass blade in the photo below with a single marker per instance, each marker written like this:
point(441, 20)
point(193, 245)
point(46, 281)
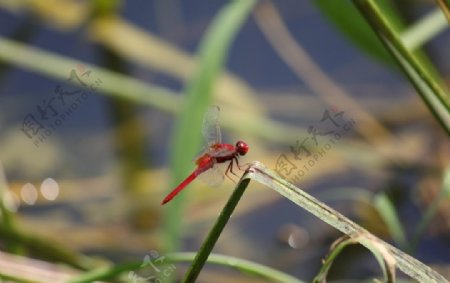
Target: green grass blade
point(242, 265)
point(7, 221)
point(213, 236)
point(389, 215)
point(383, 257)
point(431, 91)
point(105, 273)
point(186, 139)
point(7, 217)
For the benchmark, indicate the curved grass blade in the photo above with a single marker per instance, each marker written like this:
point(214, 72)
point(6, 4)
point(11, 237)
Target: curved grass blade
point(258, 172)
point(382, 255)
point(409, 265)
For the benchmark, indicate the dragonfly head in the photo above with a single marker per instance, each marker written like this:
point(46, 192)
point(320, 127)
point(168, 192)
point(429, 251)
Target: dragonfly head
point(241, 148)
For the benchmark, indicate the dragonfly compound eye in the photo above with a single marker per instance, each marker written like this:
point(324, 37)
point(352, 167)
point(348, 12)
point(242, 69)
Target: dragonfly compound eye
point(242, 147)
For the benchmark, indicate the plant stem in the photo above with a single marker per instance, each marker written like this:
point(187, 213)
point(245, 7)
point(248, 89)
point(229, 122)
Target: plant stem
point(7, 220)
point(215, 232)
point(430, 89)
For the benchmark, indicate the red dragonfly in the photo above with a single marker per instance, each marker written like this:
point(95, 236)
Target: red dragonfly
point(214, 153)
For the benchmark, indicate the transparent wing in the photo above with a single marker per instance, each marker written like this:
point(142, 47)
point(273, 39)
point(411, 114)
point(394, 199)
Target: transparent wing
point(210, 128)
point(214, 176)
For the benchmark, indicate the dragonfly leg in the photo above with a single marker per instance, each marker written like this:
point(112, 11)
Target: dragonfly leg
point(244, 165)
point(237, 163)
point(230, 169)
